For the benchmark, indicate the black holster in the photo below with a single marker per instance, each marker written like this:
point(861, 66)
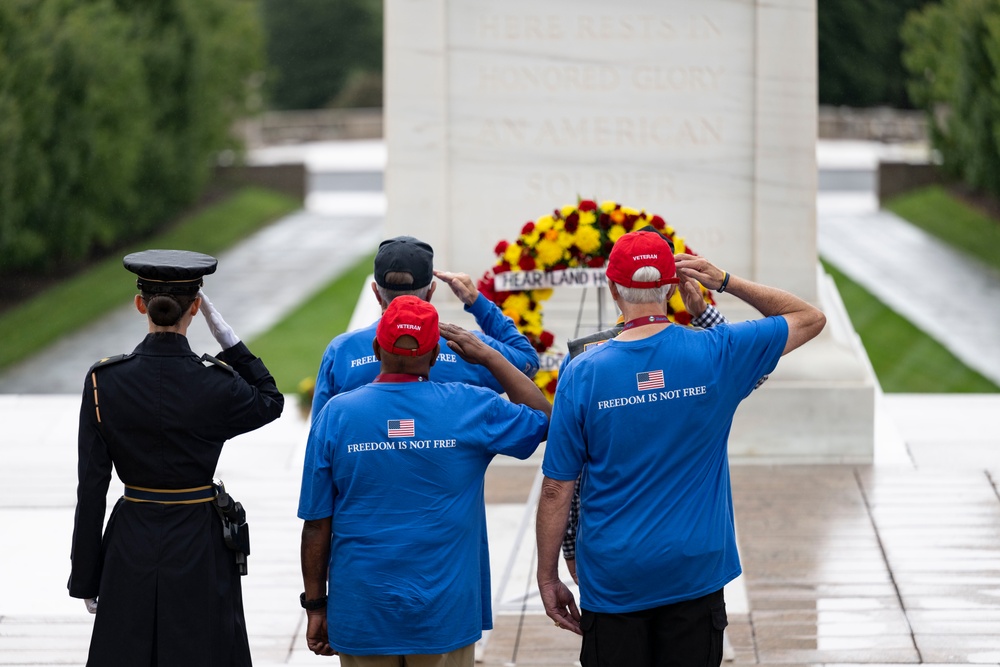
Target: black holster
point(235, 529)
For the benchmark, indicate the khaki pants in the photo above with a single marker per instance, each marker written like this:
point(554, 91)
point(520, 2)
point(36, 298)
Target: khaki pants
point(463, 657)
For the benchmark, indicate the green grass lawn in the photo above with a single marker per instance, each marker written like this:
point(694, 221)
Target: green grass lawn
point(904, 358)
point(938, 213)
point(292, 349)
point(87, 296)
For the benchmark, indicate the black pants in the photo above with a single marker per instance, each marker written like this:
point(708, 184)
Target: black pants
point(683, 634)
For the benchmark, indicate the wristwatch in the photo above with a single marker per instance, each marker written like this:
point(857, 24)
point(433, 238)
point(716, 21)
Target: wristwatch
point(312, 605)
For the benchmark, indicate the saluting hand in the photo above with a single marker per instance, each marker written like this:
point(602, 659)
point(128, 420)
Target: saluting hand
point(461, 284)
point(700, 269)
point(694, 302)
point(222, 332)
point(465, 344)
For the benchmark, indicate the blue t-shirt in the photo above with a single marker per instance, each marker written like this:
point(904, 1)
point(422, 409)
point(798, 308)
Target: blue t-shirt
point(647, 424)
point(400, 468)
point(350, 362)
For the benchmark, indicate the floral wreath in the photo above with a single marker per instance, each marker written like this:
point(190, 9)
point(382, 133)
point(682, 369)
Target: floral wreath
point(574, 236)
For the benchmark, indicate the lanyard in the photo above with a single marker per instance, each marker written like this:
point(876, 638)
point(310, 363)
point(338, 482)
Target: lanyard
point(399, 377)
point(643, 321)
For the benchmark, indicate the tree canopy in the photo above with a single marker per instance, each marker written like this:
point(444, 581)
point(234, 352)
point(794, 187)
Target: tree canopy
point(110, 114)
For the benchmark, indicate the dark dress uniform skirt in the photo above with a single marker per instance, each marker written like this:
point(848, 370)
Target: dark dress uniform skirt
point(170, 592)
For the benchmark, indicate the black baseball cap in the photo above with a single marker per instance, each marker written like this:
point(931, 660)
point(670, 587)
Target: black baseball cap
point(170, 271)
point(404, 254)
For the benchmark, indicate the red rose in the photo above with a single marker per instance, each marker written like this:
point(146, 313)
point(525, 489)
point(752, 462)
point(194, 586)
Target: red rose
point(595, 262)
point(604, 220)
point(502, 267)
point(682, 317)
point(501, 248)
point(550, 386)
point(547, 338)
point(528, 228)
point(658, 222)
point(586, 205)
point(572, 223)
point(527, 263)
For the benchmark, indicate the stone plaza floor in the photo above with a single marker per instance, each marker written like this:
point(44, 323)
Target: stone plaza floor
point(873, 564)
point(895, 562)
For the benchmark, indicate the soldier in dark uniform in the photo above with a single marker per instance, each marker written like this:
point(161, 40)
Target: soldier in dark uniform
point(164, 585)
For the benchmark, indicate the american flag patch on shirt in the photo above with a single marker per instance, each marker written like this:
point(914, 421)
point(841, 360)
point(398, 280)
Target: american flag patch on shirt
point(649, 380)
point(402, 428)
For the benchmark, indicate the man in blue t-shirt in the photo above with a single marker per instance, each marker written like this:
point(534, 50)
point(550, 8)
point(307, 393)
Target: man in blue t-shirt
point(392, 495)
point(405, 265)
point(645, 418)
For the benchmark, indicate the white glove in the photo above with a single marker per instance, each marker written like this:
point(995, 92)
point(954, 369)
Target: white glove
point(91, 605)
point(222, 332)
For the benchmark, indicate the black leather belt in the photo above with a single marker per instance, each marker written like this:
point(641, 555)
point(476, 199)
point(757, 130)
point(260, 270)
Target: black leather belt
point(199, 494)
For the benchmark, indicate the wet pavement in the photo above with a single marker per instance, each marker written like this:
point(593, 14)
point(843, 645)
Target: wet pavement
point(897, 562)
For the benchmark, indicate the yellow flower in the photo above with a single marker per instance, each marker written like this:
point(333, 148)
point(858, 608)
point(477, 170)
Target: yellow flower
point(615, 233)
point(629, 211)
point(549, 252)
point(608, 206)
point(587, 218)
point(513, 315)
point(530, 239)
point(531, 323)
point(588, 239)
point(517, 302)
point(679, 245)
point(512, 255)
point(542, 294)
point(544, 223)
point(565, 240)
point(567, 210)
point(677, 303)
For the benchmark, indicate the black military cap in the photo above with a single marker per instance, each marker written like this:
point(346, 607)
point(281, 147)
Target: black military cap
point(170, 271)
point(407, 255)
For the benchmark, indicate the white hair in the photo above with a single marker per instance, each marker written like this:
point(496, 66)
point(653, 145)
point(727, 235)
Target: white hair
point(644, 274)
point(387, 295)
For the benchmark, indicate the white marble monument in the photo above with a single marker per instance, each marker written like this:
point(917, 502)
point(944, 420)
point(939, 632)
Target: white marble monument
point(701, 111)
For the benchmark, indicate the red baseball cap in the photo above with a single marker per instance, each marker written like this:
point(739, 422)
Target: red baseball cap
point(408, 315)
point(635, 250)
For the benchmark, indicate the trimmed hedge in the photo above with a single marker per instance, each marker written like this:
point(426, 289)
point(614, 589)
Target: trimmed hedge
point(952, 51)
point(110, 114)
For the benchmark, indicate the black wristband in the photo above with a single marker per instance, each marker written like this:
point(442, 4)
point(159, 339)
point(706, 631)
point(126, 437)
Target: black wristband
point(312, 605)
point(725, 281)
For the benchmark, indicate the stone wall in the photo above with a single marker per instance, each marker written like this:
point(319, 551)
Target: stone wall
point(292, 127)
point(895, 178)
point(875, 124)
point(290, 179)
